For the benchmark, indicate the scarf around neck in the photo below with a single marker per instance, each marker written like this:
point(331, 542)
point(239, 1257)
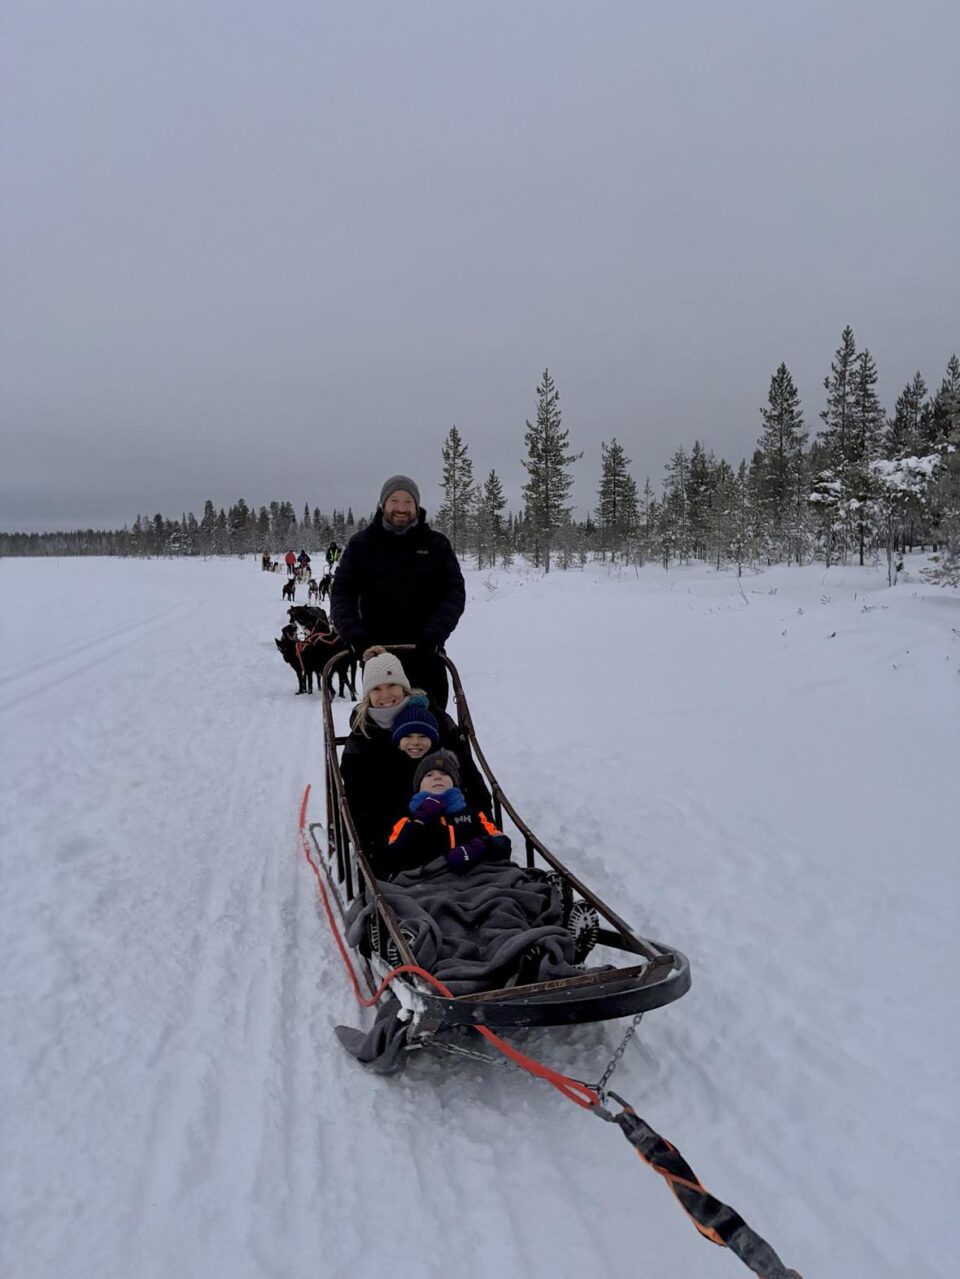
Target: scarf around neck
point(383, 716)
point(399, 532)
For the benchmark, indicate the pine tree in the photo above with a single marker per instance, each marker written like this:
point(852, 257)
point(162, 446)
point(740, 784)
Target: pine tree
point(781, 448)
point(799, 525)
point(742, 520)
point(548, 464)
point(263, 529)
point(867, 421)
point(643, 544)
point(157, 538)
point(508, 547)
point(867, 418)
point(839, 387)
point(906, 428)
point(564, 542)
point(902, 487)
point(221, 535)
point(837, 449)
point(667, 535)
point(698, 499)
point(945, 498)
point(283, 524)
point(759, 542)
point(488, 524)
point(945, 416)
point(208, 528)
point(616, 499)
point(945, 491)
point(458, 490)
point(238, 522)
point(288, 523)
point(722, 516)
point(192, 534)
point(675, 508)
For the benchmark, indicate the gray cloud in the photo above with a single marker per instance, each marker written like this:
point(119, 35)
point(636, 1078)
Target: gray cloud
point(278, 253)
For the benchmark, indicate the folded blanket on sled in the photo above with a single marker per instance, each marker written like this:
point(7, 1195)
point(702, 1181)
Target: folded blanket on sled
point(475, 931)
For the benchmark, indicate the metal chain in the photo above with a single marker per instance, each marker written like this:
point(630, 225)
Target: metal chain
point(456, 1051)
point(617, 1057)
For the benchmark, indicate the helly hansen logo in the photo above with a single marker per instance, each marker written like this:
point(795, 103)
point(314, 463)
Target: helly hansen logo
point(423, 552)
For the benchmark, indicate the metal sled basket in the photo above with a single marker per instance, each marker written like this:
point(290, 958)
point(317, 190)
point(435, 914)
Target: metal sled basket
point(652, 974)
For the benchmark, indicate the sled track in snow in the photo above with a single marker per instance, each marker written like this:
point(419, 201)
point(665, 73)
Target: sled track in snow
point(134, 633)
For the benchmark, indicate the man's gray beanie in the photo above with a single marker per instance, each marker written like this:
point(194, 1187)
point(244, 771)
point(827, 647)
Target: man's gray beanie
point(396, 482)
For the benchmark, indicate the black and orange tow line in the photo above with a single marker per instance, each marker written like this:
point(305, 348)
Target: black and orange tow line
point(715, 1221)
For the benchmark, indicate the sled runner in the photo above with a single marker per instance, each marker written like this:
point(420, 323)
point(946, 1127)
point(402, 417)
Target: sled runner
point(636, 973)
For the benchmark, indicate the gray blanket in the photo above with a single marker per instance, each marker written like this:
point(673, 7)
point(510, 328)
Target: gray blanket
point(481, 930)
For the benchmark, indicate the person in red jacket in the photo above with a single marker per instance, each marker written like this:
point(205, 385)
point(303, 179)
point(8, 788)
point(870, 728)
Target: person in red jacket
point(291, 562)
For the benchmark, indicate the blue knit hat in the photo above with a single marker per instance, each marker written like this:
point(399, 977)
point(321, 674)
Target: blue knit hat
point(416, 718)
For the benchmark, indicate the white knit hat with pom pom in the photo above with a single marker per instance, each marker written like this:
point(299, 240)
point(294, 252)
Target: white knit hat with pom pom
point(384, 668)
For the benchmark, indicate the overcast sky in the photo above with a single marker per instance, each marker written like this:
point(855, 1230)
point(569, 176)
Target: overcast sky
point(277, 250)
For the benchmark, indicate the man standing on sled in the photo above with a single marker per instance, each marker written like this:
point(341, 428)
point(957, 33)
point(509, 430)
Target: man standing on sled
point(399, 583)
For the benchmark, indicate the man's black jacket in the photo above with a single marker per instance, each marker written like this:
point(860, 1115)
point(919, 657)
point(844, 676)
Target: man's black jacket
point(397, 589)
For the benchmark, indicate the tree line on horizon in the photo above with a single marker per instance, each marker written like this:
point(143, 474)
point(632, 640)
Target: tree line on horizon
point(868, 484)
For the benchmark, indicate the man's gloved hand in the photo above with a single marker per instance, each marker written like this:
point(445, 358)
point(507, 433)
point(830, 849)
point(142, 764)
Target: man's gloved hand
point(463, 855)
point(428, 808)
point(426, 649)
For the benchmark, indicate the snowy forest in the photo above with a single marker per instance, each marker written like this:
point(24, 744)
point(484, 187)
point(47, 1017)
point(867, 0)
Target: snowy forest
point(868, 484)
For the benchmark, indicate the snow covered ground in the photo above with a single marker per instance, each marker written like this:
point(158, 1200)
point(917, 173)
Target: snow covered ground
point(764, 774)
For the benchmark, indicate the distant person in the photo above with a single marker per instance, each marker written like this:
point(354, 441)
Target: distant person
point(333, 554)
point(399, 583)
point(303, 560)
point(291, 562)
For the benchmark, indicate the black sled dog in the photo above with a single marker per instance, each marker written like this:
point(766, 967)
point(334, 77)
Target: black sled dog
point(309, 656)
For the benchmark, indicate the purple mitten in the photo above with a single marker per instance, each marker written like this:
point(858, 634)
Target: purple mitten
point(460, 858)
point(425, 807)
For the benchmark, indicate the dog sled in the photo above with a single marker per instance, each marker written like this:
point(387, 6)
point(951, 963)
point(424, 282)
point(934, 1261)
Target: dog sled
point(635, 974)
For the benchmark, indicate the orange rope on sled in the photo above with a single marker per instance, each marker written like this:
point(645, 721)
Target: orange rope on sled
point(577, 1092)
